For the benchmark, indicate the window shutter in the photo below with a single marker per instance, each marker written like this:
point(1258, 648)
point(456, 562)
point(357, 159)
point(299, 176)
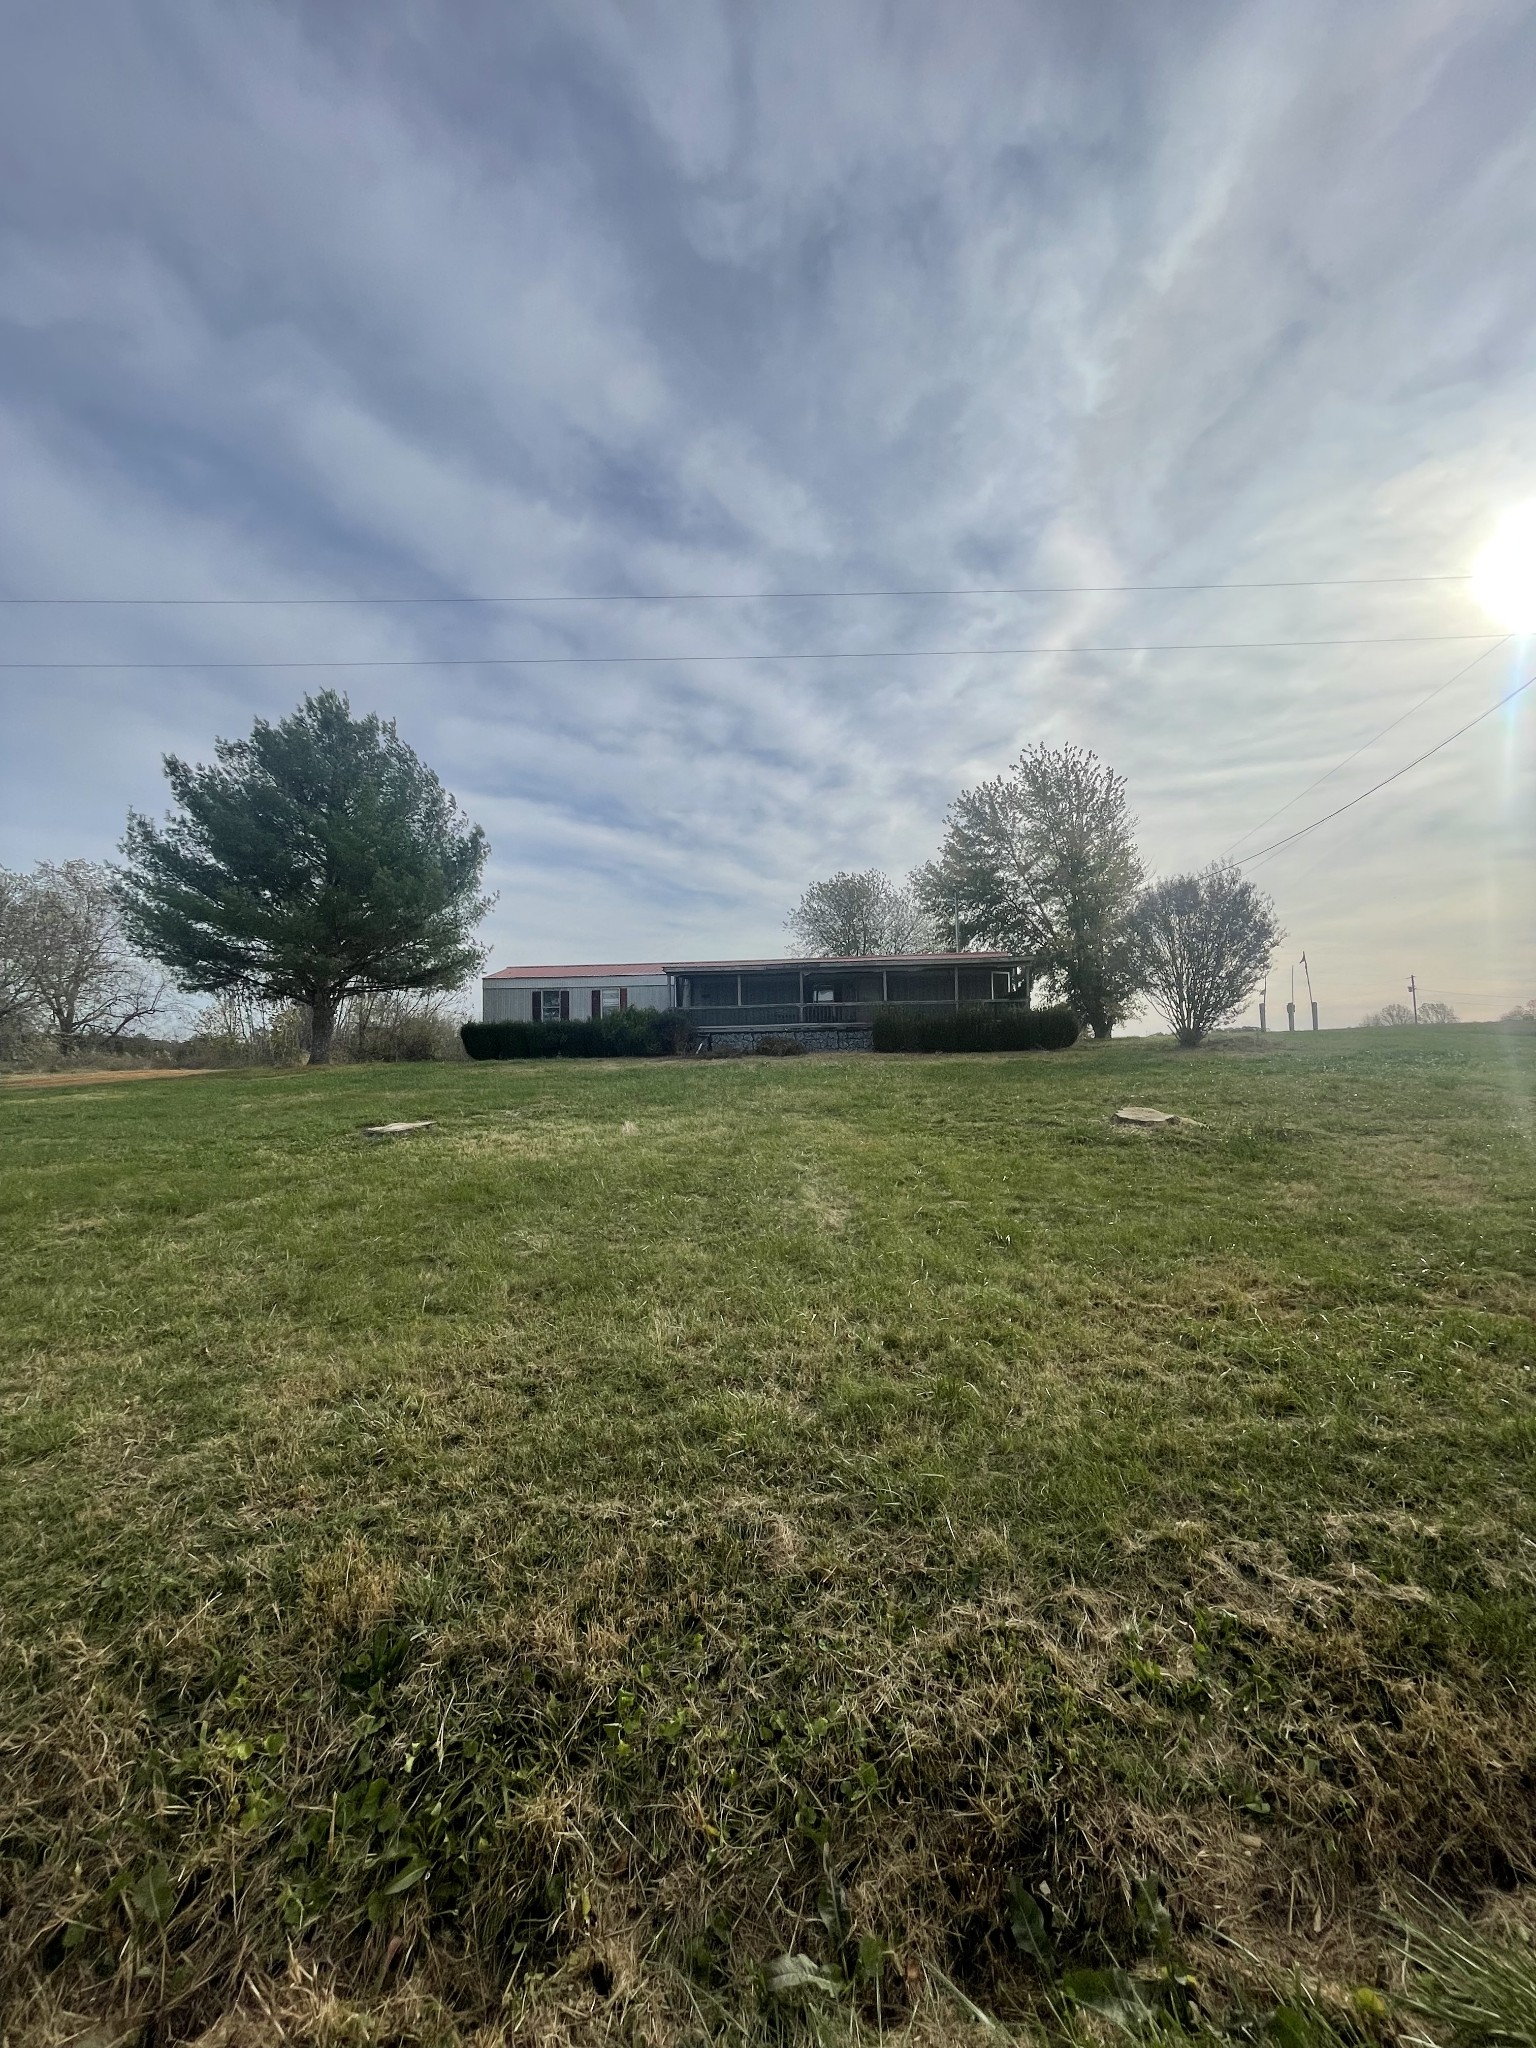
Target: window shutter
point(597, 1002)
point(623, 998)
point(565, 1006)
point(536, 1005)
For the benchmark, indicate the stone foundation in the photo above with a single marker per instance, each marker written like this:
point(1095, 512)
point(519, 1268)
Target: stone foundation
point(815, 1038)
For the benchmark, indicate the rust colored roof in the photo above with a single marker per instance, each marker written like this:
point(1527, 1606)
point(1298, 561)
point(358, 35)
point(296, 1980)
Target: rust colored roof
point(600, 971)
point(614, 971)
point(823, 960)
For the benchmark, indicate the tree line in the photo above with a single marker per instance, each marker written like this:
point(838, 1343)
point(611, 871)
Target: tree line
point(1042, 863)
point(319, 864)
point(1427, 1013)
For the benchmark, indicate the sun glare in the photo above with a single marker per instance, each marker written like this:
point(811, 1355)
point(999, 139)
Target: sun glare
point(1504, 574)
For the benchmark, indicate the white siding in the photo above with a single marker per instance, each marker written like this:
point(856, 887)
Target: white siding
point(505, 1002)
point(502, 1003)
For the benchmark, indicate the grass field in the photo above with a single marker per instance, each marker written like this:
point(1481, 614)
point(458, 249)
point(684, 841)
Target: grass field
point(530, 1576)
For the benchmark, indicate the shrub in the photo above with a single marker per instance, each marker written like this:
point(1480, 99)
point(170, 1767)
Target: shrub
point(39, 1053)
point(627, 1034)
point(984, 1027)
point(390, 1025)
point(236, 1031)
point(779, 1045)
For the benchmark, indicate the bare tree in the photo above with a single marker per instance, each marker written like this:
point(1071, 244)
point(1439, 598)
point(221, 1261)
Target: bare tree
point(87, 981)
point(1437, 1013)
point(18, 988)
point(1042, 862)
point(1390, 1013)
point(1522, 1013)
point(849, 915)
point(1205, 941)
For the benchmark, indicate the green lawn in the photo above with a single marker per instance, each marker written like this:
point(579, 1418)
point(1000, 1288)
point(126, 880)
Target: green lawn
point(534, 1573)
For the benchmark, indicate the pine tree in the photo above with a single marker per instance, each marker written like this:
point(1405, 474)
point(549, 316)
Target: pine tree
point(318, 860)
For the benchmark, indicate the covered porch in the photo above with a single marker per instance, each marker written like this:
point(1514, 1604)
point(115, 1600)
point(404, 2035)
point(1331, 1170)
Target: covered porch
point(792, 996)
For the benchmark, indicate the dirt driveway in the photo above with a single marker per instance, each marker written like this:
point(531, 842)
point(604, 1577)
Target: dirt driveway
point(96, 1075)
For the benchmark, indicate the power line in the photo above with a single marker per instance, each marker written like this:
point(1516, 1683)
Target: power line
point(1366, 745)
point(846, 654)
point(1396, 776)
point(760, 596)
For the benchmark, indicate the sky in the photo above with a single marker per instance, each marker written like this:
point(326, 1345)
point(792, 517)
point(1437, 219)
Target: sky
point(629, 307)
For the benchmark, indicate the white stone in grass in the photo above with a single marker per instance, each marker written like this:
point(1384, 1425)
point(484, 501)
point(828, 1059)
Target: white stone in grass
point(1131, 1114)
point(789, 1974)
point(397, 1130)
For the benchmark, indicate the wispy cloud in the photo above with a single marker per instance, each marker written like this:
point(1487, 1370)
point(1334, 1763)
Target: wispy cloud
point(307, 301)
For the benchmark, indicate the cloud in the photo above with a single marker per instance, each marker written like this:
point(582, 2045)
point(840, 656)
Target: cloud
point(545, 301)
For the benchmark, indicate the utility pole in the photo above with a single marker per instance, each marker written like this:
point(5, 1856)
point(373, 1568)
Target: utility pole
point(1413, 990)
point(1312, 999)
point(1290, 1008)
point(1264, 1006)
point(957, 927)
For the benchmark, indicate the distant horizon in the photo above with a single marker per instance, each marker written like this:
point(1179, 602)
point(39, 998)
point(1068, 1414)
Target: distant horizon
point(1185, 346)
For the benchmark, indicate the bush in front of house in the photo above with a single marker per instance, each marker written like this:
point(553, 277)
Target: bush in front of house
point(623, 1035)
point(984, 1027)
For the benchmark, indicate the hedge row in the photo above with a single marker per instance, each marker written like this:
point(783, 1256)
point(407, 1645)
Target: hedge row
point(623, 1035)
point(659, 1034)
point(985, 1027)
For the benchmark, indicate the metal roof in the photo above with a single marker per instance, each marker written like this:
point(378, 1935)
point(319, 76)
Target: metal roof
point(603, 970)
point(810, 960)
point(613, 971)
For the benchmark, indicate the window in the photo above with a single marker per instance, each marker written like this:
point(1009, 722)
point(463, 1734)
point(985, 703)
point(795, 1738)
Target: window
point(552, 1005)
point(610, 1001)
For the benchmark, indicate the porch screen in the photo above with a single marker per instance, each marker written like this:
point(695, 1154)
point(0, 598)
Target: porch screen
point(859, 985)
point(921, 984)
point(711, 991)
point(770, 988)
